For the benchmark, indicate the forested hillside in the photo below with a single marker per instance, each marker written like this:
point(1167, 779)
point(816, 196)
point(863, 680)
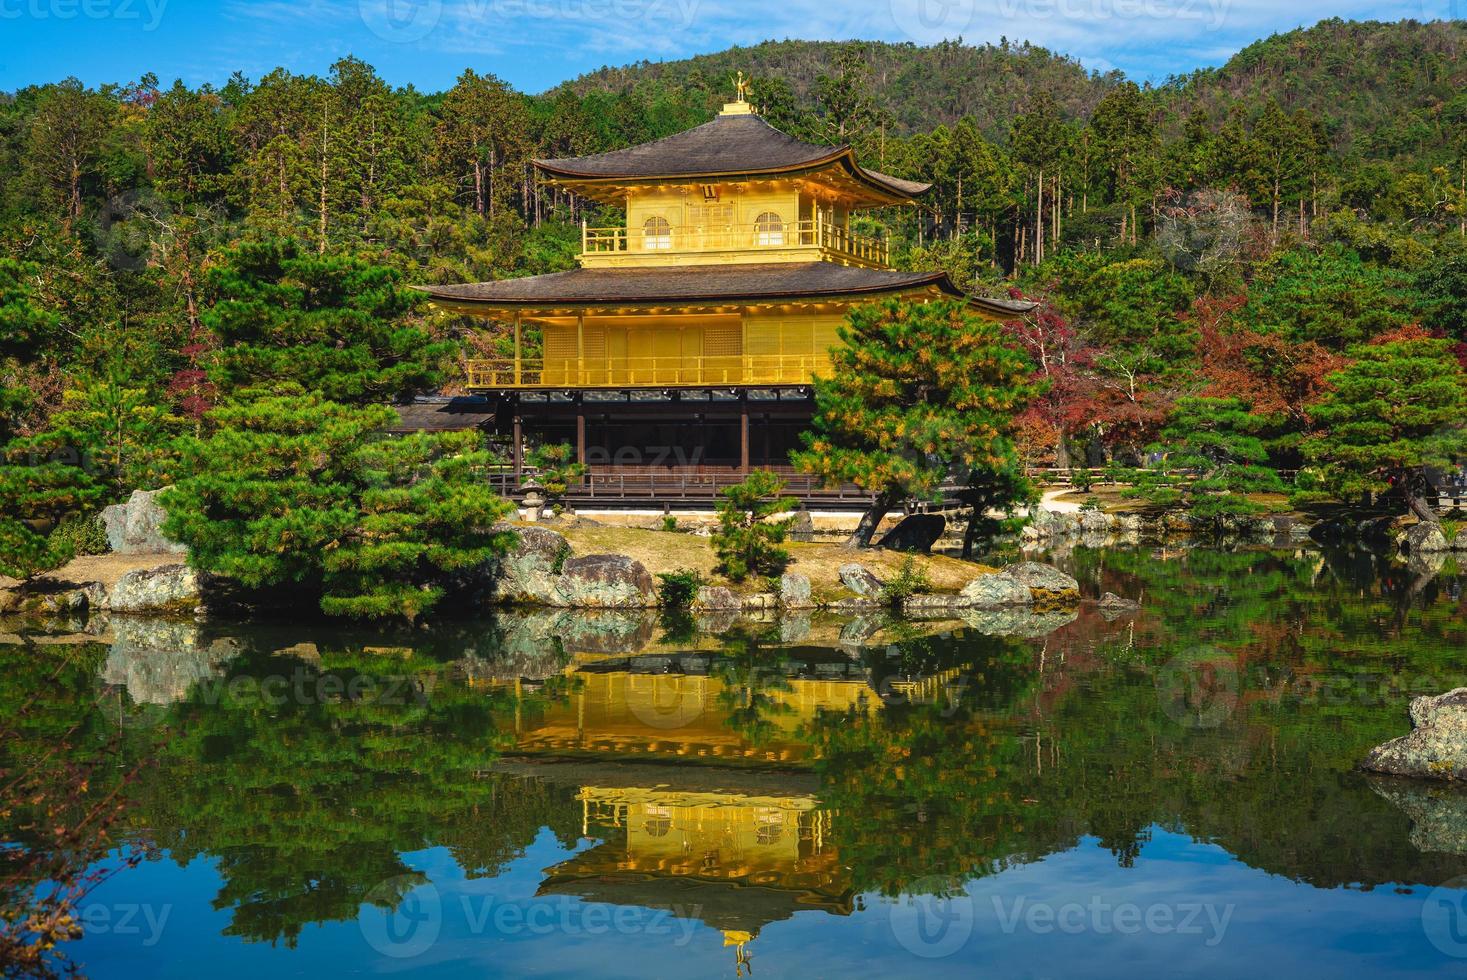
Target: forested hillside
point(1247, 232)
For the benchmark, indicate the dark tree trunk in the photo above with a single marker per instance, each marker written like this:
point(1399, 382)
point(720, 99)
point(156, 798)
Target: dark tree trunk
point(970, 533)
point(1418, 503)
point(866, 530)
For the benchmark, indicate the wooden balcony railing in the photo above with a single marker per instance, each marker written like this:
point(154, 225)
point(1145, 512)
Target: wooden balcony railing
point(686, 238)
point(646, 372)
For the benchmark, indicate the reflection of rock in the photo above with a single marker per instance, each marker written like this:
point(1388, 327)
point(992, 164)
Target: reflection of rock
point(794, 627)
point(159, 661)
point(606, 582)
point(915, 532)
point(1438, 813)
point(528, 572)
point(165, 589)
point(860, 580)
point(1437, 745)
point(716, 622)
point(537, 636)
point(133, 527)
point(794, 591)
point(932, 606)
point(1426, 565)
point(1017, 621)
point(860, 629)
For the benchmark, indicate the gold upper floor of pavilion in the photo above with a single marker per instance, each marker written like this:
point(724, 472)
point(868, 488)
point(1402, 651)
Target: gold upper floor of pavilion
point(737, 259)
point(732, 190)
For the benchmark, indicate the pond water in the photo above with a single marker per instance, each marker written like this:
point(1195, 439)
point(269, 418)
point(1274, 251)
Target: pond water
point(560, 794)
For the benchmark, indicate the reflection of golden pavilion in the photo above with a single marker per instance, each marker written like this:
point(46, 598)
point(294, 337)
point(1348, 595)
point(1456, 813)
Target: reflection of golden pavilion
point(672, 705)
point(734, 861)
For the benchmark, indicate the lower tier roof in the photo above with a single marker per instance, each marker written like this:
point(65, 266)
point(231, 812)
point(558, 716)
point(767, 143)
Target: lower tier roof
point(731, 284)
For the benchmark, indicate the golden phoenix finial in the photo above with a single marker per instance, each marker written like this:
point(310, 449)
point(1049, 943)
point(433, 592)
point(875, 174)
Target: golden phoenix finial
point(742, 88)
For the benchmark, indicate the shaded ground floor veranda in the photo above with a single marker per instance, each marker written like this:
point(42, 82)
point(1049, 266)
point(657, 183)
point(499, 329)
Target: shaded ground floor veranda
point(657, 449)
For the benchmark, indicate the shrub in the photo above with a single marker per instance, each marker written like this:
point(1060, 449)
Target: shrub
point(556, 470)
point(747, 540)
point(81, 534)
point(669, 523)
point(911, 579)
point(678, 589)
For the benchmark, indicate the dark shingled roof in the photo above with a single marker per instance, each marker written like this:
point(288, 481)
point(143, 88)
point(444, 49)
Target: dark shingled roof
point(714, 283)
point(729, 145)
point(442, 414)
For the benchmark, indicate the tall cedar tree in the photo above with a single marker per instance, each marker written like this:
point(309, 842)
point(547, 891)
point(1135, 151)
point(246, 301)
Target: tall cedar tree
point(338, 325)
point(293, 490)
point(1399, 411)
point(921, 393)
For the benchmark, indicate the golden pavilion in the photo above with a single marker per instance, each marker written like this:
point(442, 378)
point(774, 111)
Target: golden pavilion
point(687, 339)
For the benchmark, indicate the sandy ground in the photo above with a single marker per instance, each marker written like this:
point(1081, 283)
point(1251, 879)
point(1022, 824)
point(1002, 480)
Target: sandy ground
point(664, 551)
point(106, 569)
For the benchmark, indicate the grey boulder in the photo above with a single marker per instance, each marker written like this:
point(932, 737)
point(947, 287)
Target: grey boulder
point(1437, 745)
point(134, 528)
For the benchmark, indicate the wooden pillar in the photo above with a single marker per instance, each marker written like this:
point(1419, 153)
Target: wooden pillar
point(580, 428)
point(580, 349)
point(744, 431)
point(517, 350)
point(519, 445)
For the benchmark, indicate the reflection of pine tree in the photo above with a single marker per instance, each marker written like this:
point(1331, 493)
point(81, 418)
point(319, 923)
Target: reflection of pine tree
point(751, 677)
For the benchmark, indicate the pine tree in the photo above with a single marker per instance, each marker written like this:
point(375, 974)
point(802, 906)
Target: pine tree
point(748, 538)
point(36, 496)
point(1399, 411)
point(337, 325)
point(292, 490)
point(920, 394)
point(1212, 457)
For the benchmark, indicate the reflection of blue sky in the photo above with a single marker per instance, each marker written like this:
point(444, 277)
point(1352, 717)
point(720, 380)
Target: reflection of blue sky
point(1277, 928)
point(537, 43)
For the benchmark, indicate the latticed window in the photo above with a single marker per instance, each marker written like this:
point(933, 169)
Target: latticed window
point(769, 229)
point(656, 234)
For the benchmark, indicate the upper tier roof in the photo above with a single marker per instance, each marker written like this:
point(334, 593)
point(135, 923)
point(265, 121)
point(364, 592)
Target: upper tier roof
point(717, 285)
point(729, 146)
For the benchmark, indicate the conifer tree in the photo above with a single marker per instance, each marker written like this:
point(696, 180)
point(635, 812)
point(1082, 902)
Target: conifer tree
point(1213, 456)
point(920, 394)
point(1399, 411)
point(291, 490)
point(338, 325)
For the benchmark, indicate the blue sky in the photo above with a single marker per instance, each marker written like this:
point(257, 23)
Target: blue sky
point(537, 43)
